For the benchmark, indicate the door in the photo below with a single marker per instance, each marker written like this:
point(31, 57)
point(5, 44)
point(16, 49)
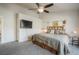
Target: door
point(1, 29)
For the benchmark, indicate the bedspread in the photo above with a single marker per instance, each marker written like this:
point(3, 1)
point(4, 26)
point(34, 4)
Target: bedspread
point(58, 42)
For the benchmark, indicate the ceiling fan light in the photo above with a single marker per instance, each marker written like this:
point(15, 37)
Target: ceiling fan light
point(41, 9)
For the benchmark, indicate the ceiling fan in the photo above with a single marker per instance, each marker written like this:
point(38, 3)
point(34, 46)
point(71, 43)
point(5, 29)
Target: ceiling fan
point(41, 9)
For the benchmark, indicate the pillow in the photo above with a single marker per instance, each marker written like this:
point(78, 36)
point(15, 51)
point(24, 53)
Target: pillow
point(52, 31)
point(48, 30)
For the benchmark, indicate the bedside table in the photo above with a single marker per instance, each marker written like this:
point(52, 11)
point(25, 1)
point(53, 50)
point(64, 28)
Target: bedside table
point(75, 40)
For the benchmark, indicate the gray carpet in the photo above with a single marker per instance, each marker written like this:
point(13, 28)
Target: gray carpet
point(28, 48)
point(24, 48)
point(74, 49)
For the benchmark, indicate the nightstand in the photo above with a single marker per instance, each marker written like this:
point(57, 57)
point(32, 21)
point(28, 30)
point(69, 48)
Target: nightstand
point(75, 40)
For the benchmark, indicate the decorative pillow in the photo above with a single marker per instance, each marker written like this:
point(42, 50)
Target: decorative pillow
point(57, 32)
point(48, 30)
point(52, 31)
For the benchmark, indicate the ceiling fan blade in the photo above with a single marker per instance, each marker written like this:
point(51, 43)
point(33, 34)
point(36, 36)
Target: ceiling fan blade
point(38, 4)
point(49, 5)
point(46, 11)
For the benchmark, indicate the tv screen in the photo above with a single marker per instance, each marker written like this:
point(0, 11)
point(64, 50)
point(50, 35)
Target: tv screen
point(25, 24)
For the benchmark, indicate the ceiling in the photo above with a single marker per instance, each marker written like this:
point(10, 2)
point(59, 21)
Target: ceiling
point(55, 8)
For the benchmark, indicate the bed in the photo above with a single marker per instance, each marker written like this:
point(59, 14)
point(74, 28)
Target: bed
point(57, 44)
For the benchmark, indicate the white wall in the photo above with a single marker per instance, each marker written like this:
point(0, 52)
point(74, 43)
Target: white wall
point(70, 16)
point(8, 12)
point(9, 29)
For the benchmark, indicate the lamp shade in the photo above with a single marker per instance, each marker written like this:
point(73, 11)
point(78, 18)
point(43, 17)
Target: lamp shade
point(44, 30)
point(74, 32)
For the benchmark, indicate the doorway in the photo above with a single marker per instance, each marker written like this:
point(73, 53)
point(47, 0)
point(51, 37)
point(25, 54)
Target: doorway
point(1, 29)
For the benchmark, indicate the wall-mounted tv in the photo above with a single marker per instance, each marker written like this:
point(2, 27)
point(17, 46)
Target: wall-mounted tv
point(25, 24)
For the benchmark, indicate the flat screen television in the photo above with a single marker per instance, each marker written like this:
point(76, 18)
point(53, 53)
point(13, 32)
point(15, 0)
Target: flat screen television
point(25, 24)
